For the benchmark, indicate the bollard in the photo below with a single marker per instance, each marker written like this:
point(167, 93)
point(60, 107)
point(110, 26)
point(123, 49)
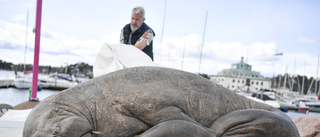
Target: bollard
point(29, 92)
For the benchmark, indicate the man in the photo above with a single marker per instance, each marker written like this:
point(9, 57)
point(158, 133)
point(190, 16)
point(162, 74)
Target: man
point(138, 33)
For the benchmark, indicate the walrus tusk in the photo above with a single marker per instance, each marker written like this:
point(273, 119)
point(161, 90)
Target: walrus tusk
point(96, 132)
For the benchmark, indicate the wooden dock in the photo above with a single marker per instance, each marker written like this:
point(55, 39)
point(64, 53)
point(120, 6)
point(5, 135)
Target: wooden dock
point(6, 83)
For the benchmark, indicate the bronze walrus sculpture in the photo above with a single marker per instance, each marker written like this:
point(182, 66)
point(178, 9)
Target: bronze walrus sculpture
point(154, 102)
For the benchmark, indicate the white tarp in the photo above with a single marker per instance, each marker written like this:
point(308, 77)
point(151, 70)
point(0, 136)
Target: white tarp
point(119, 56)
point(16, 115)
point(12, 122)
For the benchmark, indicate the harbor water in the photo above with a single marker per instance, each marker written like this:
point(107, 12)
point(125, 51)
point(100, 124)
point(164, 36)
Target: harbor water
point(14, 96)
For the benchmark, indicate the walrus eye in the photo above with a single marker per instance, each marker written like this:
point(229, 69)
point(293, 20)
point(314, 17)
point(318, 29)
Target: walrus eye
point(56, 109)
point(60, 111)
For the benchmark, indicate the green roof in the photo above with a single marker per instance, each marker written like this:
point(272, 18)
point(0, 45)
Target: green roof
point(240, 70)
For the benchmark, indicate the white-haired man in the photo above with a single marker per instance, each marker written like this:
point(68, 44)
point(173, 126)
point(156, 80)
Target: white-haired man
point(138, 33)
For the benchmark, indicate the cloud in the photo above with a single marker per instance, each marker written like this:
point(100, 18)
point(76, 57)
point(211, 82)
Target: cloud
point(14, 34)
point(307, 41)
point(216, 55)
point(58, 49)
point(68, 49)
point(55, 48)
point(19, 17)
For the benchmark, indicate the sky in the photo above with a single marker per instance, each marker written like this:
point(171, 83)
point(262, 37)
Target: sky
point(198, 36)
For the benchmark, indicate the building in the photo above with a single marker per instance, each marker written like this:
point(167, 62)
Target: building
point(241, 78)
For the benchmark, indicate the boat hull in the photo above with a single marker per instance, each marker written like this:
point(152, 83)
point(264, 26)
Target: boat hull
point(23, 83)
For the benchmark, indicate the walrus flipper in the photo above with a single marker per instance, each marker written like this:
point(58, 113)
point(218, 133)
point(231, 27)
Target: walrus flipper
point(254, 122)
point(177, 128)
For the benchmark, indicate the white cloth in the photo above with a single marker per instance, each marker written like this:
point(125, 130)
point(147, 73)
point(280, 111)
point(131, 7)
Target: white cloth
point(16, 115)
point(12, 122)
point(119, 56)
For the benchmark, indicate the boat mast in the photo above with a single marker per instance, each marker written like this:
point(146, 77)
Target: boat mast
point(304, 72)
point(274, 80)
point(204, 32)
point(292, 80)
point(317, 75)
point(315, 88)
point(285, 79)
point(184, 48)
point(36, 53)
point(279, 87)
point(310, 87)
point(164, 17)
point(25, 48)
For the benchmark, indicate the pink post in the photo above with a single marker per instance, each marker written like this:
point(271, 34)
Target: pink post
point(36, 53)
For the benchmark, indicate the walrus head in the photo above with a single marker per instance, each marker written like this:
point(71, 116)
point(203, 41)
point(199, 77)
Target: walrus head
point(60, 122)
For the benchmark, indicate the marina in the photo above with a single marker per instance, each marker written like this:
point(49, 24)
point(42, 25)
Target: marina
point(241, 79)
point(10, 94)
point(247, 30)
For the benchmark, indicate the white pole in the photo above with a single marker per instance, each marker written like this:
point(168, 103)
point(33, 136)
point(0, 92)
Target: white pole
point(184, 48)
point(294, 69)
point(164, 17)
point(285, 79)
point(310, 87)
point(274, 81)
point(315, 89)
point(204, 32)
point(25, 48)
point(304, 72)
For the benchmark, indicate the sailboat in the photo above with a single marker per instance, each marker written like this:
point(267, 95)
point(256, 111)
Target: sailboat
point(57, 81)
point(24, 81)
point(54, 81)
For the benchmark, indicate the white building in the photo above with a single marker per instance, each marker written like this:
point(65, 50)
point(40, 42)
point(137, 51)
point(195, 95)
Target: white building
point(241, 78)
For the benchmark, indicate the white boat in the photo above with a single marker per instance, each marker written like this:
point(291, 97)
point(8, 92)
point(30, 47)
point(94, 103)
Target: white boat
point(270, 102)
point(23, 82)
point(313, 104)
point(291, 104)
point(302, 102)
point(57, 81)
point(54, 81)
